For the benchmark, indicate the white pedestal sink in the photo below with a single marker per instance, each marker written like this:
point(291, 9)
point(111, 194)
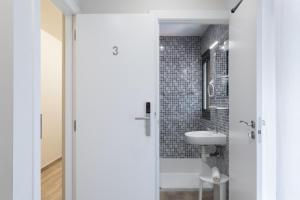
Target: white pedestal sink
point(205, 138)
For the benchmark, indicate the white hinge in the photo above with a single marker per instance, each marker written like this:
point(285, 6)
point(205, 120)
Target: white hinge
point(74, 35)
point(74, 125)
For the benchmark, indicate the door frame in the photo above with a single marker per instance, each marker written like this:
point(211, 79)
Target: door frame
point(202, 16)
point(186, 16)
point(68, 9)
point(266, 145)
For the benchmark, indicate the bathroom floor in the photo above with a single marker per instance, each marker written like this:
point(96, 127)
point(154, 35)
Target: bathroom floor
point(184, 195)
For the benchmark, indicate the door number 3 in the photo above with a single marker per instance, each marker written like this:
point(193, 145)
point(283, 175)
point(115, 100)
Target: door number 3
point(115, 50)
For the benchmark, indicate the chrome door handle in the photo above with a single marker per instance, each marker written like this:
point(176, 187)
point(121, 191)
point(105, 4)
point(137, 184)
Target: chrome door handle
point(252, 135)
point(251, 124)
point(147, 119)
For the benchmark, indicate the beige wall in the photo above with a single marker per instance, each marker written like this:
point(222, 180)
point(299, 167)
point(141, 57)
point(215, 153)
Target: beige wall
point(52, 19)
point(51, 81)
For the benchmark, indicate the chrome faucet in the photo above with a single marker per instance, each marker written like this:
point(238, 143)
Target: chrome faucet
point(216, 130)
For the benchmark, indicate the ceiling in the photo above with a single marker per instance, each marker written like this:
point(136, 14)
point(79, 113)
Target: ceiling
point(145, 6)
point(182, 29)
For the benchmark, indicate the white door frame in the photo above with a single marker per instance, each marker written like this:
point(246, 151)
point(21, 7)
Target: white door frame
point(266, 150)
point(68, 8)
point(267, 42)
point(200, 16)
point(186, 16)
point(68, 118)
point(68, 108)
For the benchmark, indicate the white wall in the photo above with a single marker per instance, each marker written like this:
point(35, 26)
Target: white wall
point(51, 97)
point(288, 98)
point(142, 6)
point(19, 102)
point(26, 99)
point(6, 100)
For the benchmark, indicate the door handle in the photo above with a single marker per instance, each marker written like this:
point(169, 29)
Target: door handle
point(251, 124)
point(147, 119)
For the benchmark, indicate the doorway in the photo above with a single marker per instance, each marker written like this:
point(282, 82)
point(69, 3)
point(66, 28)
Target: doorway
point(84, 29)
point(52, 106)
point(102, 118)
point(193, 100)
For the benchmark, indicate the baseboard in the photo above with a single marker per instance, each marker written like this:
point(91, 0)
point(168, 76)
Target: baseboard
point(51, 164)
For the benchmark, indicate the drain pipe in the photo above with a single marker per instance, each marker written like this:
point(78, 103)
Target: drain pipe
point(205, 155)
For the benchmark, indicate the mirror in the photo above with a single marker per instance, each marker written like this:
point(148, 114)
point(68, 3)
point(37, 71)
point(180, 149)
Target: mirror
point(207, 85)
point(215, 89)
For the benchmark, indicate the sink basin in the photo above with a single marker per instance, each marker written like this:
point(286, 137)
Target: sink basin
point(205, 138)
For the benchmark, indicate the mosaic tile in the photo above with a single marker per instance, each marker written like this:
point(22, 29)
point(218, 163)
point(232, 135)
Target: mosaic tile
point(181, 93)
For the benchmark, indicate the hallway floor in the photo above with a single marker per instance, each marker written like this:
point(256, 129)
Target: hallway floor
point(52, 182)
point(52, 187)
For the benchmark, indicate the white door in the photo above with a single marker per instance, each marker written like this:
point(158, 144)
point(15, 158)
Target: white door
point(243, 102)
point(115, 77)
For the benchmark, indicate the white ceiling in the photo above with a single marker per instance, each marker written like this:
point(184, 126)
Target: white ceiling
point(145, 6)
point(182, 29)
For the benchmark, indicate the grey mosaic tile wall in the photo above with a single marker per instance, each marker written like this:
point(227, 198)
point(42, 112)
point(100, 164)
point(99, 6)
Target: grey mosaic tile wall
point(180, 95)
point(219, 118)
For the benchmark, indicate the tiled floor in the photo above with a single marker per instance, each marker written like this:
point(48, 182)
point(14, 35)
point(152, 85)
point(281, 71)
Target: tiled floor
point(184, 195)
point(52, 182)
